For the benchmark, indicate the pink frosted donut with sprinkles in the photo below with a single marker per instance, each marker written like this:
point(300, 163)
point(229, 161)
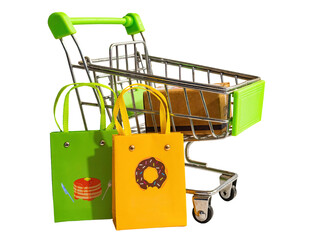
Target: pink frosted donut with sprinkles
point(142, 166)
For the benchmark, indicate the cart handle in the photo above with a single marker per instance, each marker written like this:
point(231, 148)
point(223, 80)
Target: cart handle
point(61, 25)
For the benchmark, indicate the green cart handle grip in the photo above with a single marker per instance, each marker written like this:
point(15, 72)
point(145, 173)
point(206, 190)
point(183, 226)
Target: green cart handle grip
point(61, 25)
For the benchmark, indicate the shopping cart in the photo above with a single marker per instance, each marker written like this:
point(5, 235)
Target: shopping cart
point(205, 103)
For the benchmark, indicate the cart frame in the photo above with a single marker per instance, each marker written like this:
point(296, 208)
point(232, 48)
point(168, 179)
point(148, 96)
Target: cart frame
point(143, 71)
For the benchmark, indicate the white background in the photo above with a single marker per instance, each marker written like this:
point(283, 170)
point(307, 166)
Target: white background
point(270, 39)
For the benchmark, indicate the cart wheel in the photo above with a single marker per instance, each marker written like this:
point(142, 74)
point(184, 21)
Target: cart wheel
point(228, 196)
point(210, 213)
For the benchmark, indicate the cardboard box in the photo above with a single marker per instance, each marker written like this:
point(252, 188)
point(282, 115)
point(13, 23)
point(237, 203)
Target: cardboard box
point(217, 105)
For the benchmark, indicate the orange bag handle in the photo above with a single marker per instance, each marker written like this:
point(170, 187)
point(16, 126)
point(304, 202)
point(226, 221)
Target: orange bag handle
point(120, 106)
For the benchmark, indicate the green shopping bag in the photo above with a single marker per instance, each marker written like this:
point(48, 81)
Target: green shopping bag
point(81, 167)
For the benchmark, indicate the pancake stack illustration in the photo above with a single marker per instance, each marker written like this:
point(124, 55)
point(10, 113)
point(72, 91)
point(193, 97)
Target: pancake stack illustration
point(87, 188)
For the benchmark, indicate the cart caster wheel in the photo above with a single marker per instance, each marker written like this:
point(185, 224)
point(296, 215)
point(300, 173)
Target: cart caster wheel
point(228, 195)
point(210, 213)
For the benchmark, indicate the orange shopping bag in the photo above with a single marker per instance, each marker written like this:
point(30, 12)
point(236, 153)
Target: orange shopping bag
point(148, 172)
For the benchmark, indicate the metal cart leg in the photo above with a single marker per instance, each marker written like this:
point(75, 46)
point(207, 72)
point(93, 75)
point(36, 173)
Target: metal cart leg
point(202, 209)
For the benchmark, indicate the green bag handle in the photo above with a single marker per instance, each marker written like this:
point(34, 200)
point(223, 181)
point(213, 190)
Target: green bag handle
point(61, 25)
point(66, 105)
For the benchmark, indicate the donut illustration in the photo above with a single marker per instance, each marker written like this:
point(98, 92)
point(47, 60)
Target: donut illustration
point(153, 163)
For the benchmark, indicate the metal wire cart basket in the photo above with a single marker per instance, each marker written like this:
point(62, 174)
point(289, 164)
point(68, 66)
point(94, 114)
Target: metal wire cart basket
point(205, 103)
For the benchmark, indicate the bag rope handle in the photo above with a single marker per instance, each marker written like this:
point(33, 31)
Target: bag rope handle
point(120, 106)
point(66, 105)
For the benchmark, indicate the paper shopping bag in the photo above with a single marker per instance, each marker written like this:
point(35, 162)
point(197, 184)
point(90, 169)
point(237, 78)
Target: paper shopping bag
point(81, 167)
point(148, 172)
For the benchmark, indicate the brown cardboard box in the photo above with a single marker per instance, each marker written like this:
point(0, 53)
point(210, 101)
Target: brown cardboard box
point(217, 105)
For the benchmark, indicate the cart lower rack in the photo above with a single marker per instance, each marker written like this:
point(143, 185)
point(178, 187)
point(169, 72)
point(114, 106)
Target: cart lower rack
point(205, 103)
